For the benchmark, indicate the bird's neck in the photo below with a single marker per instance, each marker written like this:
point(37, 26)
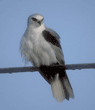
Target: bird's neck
point(36, 29)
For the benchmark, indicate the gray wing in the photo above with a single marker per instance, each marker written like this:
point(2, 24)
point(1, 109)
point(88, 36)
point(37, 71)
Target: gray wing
point(54, 34)
point(54, 40)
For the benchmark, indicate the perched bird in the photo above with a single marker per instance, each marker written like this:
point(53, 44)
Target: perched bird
point(41, 46)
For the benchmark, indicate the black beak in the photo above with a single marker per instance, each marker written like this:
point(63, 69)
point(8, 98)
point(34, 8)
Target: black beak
point(39, 22)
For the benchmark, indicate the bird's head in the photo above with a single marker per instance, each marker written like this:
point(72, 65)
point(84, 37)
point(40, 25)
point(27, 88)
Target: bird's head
point(35, 20)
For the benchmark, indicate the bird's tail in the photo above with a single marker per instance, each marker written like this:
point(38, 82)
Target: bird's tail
point(61, 88)
point(59, 82)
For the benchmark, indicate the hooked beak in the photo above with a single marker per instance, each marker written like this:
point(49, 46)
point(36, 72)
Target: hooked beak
point(39, 22)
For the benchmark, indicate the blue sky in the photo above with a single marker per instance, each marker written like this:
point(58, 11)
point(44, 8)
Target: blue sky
point(74, 21)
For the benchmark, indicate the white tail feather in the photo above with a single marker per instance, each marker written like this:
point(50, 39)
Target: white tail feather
point(57, 89)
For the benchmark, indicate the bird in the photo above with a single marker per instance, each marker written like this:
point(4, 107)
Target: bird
point(40, 45)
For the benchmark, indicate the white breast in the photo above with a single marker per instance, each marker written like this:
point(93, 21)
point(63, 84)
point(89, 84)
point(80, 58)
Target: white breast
point(37, 50)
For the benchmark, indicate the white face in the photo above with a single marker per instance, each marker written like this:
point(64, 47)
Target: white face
point(35, 20)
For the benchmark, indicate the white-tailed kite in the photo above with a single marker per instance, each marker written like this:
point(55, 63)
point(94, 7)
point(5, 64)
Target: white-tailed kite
point(41, 46)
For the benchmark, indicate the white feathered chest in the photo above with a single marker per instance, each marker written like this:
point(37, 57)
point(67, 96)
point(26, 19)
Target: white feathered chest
point(36, 49)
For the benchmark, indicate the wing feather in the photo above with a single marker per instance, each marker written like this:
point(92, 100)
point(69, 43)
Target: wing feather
point(54, 40)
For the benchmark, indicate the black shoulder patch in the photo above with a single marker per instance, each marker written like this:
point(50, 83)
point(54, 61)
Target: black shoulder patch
point(50, 38)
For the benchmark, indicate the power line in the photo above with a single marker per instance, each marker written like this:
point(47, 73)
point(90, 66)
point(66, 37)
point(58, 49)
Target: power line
point(33, 69)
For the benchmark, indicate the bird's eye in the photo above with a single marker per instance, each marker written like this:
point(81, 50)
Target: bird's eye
point(34, 19)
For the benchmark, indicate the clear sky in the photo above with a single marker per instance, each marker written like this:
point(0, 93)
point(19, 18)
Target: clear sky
point(74, 21)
